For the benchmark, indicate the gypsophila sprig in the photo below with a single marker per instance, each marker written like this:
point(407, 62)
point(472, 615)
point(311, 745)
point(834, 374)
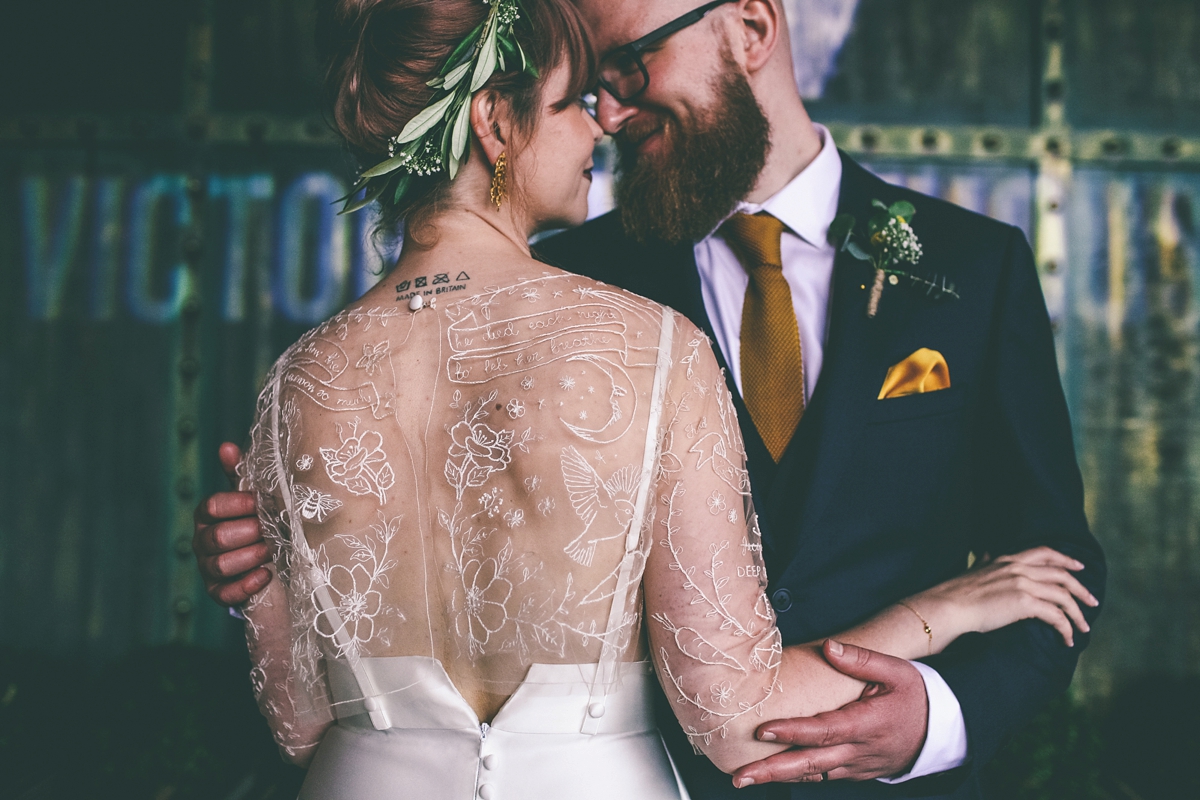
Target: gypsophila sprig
point(438, 137)
point(890, 241)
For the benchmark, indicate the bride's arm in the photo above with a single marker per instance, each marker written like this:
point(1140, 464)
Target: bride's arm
point(296, 719)
point(712, 631)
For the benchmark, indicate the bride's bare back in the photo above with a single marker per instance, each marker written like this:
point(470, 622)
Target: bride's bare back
point(485, 481)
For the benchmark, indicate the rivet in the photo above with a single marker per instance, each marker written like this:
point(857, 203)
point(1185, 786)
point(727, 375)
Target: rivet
point(869, 139)
point(1171, 148)
point(185, 488)
point(929, 140)
point(189, 368)
point(992, 142)
point(416, 302)
point(186, 427)
point(1054, 90)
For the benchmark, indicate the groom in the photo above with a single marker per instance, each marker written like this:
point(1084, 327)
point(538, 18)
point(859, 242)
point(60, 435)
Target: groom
point(926, 433)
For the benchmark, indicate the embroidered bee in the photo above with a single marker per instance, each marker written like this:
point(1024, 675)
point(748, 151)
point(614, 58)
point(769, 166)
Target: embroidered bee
point(314, 504)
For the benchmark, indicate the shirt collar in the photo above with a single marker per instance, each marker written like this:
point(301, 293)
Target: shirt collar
point(808, 203)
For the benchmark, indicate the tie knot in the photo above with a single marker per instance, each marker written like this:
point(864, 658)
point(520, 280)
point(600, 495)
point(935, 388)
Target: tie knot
point(755, 239)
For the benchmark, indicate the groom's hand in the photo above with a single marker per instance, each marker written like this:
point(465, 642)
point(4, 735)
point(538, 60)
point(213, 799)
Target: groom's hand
point(877, 736)
point(230, 551)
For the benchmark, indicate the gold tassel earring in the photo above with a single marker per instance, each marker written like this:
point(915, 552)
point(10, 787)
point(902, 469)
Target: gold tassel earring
point(499, 180)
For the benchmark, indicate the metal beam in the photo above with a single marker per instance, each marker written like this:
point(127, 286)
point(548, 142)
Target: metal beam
point(958, 142)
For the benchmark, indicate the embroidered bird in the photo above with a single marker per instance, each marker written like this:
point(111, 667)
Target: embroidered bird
point(589, 495)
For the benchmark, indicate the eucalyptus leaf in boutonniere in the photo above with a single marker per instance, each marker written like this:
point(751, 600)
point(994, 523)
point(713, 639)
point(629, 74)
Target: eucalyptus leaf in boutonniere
point(890, 241)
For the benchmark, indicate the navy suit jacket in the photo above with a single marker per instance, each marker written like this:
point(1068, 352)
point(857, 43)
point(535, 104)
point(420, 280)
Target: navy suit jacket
point(875, 500)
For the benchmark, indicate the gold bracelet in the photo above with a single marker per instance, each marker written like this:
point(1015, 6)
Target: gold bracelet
point(928, 630)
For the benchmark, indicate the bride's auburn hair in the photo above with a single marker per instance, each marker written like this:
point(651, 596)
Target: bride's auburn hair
point(382, 53)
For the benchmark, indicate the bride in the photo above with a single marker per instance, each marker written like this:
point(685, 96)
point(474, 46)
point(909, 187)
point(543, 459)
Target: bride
point(505, 500)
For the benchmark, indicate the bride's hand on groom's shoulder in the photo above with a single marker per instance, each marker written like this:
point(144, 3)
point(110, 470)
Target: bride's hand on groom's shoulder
point(230, 551)
point(1035, 584)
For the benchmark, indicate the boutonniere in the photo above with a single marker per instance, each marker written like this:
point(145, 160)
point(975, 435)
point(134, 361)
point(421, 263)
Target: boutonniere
point(890, 241)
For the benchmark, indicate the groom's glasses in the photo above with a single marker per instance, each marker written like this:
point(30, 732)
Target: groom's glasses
point(622, 73)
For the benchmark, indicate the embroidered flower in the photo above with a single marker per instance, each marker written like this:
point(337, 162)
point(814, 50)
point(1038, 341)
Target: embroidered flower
point(476, 451)
point(527, 382)
point(532, 483)
point(567, 383)
point(360, 463)
point(515, 408)
point(304, 463)
point(356, 606)
point(546, 506)
point(515, 518)
point(716, 503)
point(485, 593)
point(722, 693)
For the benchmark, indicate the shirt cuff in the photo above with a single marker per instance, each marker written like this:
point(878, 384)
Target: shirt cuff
point(236, 613)
point(946, 738)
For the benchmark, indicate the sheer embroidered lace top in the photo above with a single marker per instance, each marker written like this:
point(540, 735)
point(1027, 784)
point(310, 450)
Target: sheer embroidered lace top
point(507, 479)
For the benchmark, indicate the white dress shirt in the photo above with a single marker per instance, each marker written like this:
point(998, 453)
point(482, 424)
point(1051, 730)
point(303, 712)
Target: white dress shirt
point(807, 206)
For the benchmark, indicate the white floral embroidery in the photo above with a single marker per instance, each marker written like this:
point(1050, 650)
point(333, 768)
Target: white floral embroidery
point(514, 518)
point(566, 383)
point(546, 505)
point(360, 464)
point(515, 408)
point(304, 463)
point(355, 589)
point(477, 450)
point(532, 483)
point(722, 693)
point(527, 382)
point(716, 503)
point(492, 502)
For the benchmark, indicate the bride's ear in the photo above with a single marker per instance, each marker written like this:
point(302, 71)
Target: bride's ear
point(487, 124)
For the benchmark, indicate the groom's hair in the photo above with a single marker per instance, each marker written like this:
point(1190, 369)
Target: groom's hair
point(382, 53)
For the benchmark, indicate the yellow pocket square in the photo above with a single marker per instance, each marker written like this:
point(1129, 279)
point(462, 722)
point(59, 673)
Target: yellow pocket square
point(923, 371)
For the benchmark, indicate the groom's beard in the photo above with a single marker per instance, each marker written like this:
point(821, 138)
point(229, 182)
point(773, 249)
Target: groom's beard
point(705, 167)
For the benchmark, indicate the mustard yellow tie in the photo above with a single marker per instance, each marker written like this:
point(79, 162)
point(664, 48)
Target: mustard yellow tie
point(772, 362)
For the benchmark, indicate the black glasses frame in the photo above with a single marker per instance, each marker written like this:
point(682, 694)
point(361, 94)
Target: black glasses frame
point(634, 49)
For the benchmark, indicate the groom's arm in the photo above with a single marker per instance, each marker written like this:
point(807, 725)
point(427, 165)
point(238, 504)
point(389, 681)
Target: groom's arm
point(1029, 493)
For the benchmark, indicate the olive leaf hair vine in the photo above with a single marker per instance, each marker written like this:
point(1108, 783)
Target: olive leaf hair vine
point(438, 137)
